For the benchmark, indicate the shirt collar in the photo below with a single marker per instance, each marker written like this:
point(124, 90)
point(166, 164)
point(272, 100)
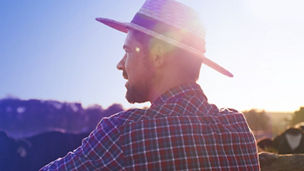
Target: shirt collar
point(179, 91)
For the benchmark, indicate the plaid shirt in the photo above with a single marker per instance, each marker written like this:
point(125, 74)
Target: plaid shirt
point(180, 131)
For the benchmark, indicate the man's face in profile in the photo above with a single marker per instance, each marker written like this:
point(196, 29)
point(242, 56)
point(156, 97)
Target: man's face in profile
point(137, 69)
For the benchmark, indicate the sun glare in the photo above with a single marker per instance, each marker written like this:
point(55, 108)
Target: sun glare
point(137, 49)
point(277, 10)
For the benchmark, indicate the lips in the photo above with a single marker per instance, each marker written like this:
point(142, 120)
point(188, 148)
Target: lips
point(126, 85)
point(124, 74)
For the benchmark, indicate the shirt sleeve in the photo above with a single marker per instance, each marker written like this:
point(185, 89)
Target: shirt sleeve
point(100, 150)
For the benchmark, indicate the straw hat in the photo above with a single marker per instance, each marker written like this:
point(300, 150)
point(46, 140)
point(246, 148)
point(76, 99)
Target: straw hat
point(172, 22)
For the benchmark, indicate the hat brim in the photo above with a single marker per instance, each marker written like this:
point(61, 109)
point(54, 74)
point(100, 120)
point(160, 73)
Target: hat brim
point(124, 27)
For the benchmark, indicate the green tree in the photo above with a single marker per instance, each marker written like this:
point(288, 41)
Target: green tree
point(257, 120)
point(297, 117)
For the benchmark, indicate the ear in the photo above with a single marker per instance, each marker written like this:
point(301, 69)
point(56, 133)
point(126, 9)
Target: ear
point(158, 55)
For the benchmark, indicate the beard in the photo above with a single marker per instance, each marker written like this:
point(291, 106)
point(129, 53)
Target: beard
point(137, 93)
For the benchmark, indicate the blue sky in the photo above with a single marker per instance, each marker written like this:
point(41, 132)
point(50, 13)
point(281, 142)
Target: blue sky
point(56, 50)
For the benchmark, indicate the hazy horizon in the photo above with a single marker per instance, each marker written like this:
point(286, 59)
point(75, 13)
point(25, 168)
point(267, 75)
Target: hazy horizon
point(103, 106)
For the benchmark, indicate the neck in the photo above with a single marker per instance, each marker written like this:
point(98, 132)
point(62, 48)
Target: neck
point(164, 84)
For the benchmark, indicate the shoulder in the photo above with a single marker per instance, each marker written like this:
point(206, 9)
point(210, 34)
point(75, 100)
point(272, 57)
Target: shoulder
point(232, 115)
point(121, 118)
point(234, 118)
point(111, 128)
point(228, 119)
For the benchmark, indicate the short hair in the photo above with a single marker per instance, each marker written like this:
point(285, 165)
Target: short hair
point(189, 63)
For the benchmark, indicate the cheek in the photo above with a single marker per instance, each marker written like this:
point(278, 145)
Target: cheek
point(131, 66)
point(136, 68)
point(128, 65)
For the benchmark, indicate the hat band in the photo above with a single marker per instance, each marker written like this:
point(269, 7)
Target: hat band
point(182, 36)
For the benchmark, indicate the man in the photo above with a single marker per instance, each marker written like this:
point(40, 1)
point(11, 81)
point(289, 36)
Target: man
point(181, 130)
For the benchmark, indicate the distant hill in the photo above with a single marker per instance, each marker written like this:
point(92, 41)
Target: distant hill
point(20, 118)
point(280, 115)
point(279, 120)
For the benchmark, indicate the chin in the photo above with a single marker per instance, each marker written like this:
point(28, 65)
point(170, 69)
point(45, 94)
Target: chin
point(137, 94)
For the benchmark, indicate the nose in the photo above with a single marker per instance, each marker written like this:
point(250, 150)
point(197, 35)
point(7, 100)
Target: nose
point(121, 63)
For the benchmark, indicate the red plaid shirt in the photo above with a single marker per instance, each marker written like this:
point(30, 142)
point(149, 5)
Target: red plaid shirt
point(180, 131)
